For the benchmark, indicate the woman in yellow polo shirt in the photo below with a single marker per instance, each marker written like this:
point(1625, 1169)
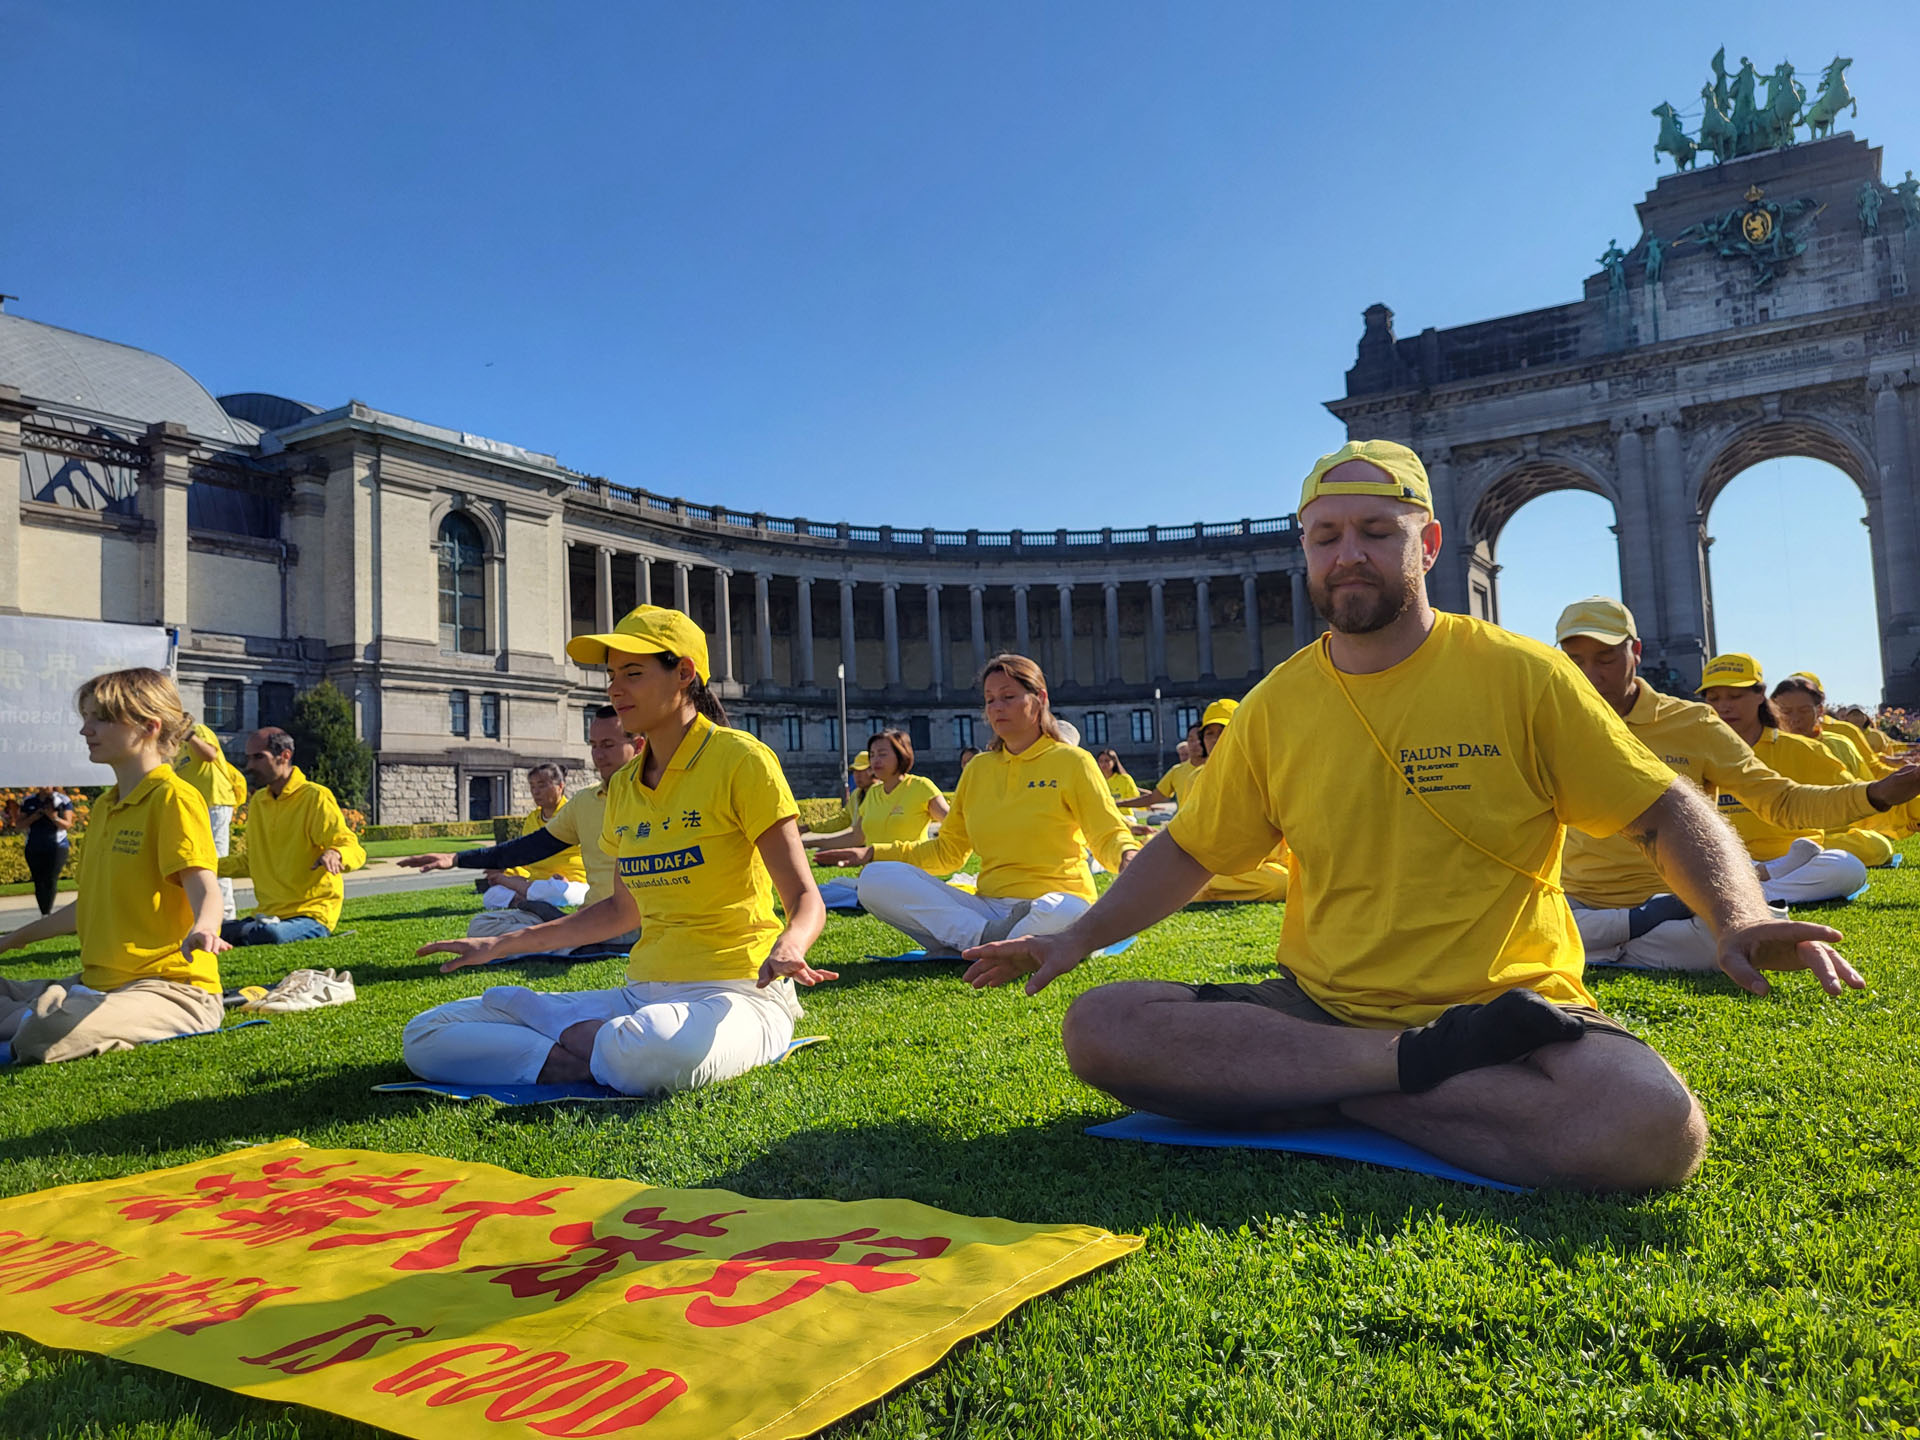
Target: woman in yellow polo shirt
point(148, 910)
point(1795, 869)
point(1030, 807)
point(704, 830)
point(1120, 784)
point(898, 805)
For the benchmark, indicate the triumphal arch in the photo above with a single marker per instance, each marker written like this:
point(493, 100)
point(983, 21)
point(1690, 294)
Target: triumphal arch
point(1765, 310)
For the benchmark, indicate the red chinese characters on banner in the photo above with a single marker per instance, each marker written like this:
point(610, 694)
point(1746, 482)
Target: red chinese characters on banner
point(812, 1260)
point(32, 1262)
point(175, 1302)
point(589, 1256)
point(211, 1190)
point(446, 1250)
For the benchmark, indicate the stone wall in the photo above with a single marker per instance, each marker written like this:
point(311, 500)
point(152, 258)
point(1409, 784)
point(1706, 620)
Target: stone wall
point(418, 794)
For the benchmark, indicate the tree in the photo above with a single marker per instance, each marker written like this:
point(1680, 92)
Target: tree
point(326, 748)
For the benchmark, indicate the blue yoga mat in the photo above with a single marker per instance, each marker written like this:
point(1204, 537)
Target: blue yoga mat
point(6, 1050)
point(1896, 862)
point(908, 956)
point(839, 895)
point(1347, 1141)
point(1861, 891)
point(545, 1094)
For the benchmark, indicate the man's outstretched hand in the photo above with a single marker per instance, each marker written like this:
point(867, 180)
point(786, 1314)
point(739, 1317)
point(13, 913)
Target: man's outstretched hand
point(425, 862)
point(1746, 950)
point(1041, 958)
point(464, 952)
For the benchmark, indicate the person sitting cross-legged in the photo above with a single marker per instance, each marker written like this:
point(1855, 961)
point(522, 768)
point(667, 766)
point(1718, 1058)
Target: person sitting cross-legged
point(1265, 883)
point(574, 828)
point(147, 912)
point(554, 884)
point(1620, 903)
point(703, 829)
point(298, 848)
point(1423, 768)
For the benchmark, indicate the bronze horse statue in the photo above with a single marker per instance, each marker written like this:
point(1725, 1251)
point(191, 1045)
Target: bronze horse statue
point(1834, 97)
point(1673, 139)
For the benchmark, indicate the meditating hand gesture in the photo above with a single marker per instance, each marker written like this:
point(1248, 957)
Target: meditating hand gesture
point(787, 961)
point(201, 938)
point(464, 952)
point(1746, 950)
point(855, 855)
point(1041, 958)
point(329, 861)
point(438, 861)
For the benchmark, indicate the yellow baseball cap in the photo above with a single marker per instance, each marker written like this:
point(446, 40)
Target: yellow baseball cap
point(646, 630)
point(1598, 618)
point(1809, 675)
point(862, 761)
point(1736, 670)
point(1402, 476)
point(1220, 712)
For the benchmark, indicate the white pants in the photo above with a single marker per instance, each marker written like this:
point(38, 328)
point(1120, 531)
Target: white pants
point(1830, 875)
point(221, 818)
point(1672, 945)
point(565, 894)
point(946, 920)
point(660, 1036)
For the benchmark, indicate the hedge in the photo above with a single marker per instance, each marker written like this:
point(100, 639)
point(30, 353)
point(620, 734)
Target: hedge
point(453, 829)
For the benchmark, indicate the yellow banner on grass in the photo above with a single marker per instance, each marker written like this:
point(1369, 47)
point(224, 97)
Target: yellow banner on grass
point(445, 1298)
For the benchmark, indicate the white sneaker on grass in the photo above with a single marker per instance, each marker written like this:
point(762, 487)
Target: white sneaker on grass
point(307, 990)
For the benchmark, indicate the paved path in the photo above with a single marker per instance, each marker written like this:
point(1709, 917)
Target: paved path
point(376, 877)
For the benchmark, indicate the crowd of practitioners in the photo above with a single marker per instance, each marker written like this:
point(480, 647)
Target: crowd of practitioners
point(1460, 820)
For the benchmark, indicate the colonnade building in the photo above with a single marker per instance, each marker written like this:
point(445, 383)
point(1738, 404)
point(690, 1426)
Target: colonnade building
point(435, 575)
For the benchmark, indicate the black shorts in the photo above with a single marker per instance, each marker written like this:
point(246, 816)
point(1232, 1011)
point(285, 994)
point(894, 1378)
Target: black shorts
point(1284, 993)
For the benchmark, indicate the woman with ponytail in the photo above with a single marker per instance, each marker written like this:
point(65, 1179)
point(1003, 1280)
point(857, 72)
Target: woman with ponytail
point(704, 830)
point(1030, 807)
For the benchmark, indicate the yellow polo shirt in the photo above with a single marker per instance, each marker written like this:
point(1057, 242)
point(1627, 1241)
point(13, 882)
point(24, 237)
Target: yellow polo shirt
point(902, 815)
point(1853, 733)
point(567, 865)
point(688, 851)
point(285, 835)
point(1031, 818)
point(1613, 873)
point(213, 779)
point(1176, 781)
point(1390, 917)
point(1123, 786)
point(1810, 763)
point(131, 910)
point(579, 823)
point(1848, 754)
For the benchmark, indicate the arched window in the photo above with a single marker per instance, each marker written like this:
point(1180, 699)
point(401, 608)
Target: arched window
point(463, 589)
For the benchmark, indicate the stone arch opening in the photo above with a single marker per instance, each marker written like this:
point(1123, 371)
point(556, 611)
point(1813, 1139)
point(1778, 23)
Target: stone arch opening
point(1494, 508)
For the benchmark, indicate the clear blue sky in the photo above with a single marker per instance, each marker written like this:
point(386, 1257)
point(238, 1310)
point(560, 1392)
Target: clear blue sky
point(947, 264)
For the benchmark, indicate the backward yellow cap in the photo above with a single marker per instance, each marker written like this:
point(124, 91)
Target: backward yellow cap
point(1402, 476)
point(1734, 669)
point(1598, 618)
point(646, 630)
point(1220, 712)
point(1809, 675)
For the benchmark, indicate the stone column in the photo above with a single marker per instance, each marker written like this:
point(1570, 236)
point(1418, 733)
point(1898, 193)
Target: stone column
point(12, 411)
point(1447, 583)
point(1684, 608)
point(890, 628)
point(1157, 629)
point(1303, 627)
point(1639, 564)
point(848, 651)
point(682, 581)
point(936, 640)
point(642, 580)
point(1022, 640)
point(1897, 502)
point(803, 630)
point(1066, 676)
point(1203, 624)
point(1112, 589)
point(603, 616)
point(977, 618)
point(163, 500)
point(722, 656)
point(1250, 599)
point(762, 628)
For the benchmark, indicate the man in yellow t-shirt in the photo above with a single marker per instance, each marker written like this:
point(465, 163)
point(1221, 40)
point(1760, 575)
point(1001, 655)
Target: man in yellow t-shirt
point(1423, 768)
point(575, 827)
point(1619, 899)
point(1266, 883)
point(553, 885)
point(298, 848)
point(1173, 786)
point(203, 765)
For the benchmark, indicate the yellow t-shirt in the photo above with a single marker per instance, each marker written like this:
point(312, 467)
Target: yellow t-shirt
point(1797, 758)
point(1122, 786)
point(1876, 738)
point(1031, 818)
point(567, 865)
point(1177, 779)
point(1848, 754)
point(688, 852)
point(1691, 740)
point(213, 779)
point(1853, 733)
point(131, 911)
point(579, 823)
point(1390, 917)
point(285, 835)
point(901, 816)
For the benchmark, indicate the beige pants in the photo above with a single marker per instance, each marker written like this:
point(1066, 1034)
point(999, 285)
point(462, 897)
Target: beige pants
point(52, 1020)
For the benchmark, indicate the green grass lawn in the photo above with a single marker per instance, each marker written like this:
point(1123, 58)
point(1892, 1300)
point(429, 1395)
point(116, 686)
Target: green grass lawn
point(392, 849)
point(1778, 1294)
